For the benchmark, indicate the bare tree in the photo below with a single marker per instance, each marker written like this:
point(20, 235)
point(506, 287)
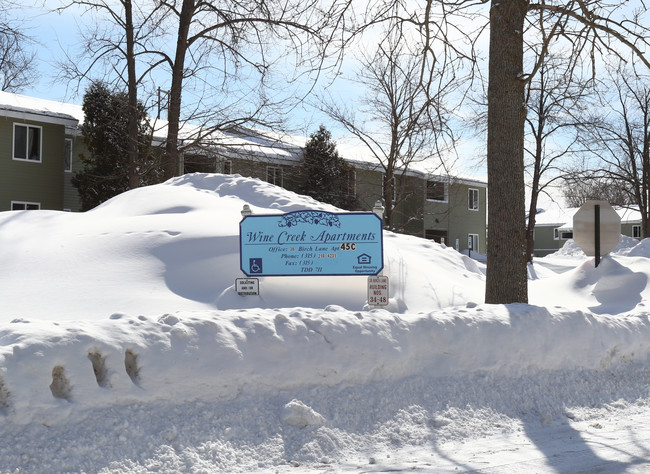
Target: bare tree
point(17, 63)
point(590, 27)
point(403, 118)
point(110, 47)
point(242, 42)
point(620, 139)
point(580, 186)
point(221, 57)
point(557, 111)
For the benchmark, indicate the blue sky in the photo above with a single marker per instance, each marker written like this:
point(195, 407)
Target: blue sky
point(53, 34)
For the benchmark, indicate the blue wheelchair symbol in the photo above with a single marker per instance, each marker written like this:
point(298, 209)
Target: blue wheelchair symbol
point(255, 265)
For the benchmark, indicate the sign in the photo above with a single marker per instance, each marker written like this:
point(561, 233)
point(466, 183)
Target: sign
point(586, 232)
point(311, 243)
point(378, 290)
point(247, 286)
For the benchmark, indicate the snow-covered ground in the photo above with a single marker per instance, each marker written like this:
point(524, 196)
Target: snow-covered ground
point(125, 348)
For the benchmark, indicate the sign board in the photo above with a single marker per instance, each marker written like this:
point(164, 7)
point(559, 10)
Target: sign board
point(584, 227)
point(378, 290)
point(311, 243)
point(247, 286)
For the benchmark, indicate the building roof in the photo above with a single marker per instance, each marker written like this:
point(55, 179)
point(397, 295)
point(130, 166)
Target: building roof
point(553, 214)
point(41, 110)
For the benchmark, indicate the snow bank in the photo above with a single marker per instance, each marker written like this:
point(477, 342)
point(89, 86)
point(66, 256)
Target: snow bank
point(124, 331)
point(220, 355)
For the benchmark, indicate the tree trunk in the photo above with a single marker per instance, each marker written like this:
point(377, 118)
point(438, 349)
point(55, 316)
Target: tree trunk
point(506, 256)
point(644, 204)
point(133, 119)
point(171, 163)
point(530, 230)
point(388, 193)
point(534, 192)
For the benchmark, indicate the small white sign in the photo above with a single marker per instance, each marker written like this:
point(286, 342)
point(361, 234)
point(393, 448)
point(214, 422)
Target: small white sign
point(378, 290)
point(247, 286)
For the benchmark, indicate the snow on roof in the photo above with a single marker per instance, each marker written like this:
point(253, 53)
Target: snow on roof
point(629, 214)
point(354, 151)
point(17, 105)
point(253, 144)
point(554, 214)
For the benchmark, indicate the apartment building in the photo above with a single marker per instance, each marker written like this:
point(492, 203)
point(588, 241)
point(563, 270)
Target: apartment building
point(40, 144)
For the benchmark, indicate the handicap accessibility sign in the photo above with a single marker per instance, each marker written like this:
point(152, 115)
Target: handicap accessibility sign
point(255, 266)
point(311, 243)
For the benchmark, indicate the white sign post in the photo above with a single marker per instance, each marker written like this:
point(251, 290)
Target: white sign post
point(596, 228)
point(378, 290)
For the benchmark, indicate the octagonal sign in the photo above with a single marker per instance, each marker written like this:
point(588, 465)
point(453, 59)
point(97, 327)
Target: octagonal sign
point(584, 227)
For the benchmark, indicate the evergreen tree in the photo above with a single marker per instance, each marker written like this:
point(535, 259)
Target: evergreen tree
point(326, 176)
point(105, 133)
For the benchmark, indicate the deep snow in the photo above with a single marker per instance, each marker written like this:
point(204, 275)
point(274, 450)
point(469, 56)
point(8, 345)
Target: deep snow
point(124, 348)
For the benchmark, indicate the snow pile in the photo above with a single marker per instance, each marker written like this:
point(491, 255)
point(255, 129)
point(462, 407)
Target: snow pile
point(124, 347)
point(175, 246)
point(641, 249)
point(297, 414)
point(626, 245)
point(571, 249)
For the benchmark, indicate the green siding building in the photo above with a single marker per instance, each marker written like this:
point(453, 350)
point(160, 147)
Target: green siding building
point(40, 145)
point(32, 155)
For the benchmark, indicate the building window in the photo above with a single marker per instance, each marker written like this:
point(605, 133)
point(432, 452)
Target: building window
point(636, 231)
point(472, 242)
point(27, 142)
point(25, 206)
point(439, 236)
point(226, 167)
point(436, 191)
point(67, 155)
point(198, 163)
point(559, 234)
point(393, 184)
point(274, 175)
point(472, 199)
point(352, 183)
